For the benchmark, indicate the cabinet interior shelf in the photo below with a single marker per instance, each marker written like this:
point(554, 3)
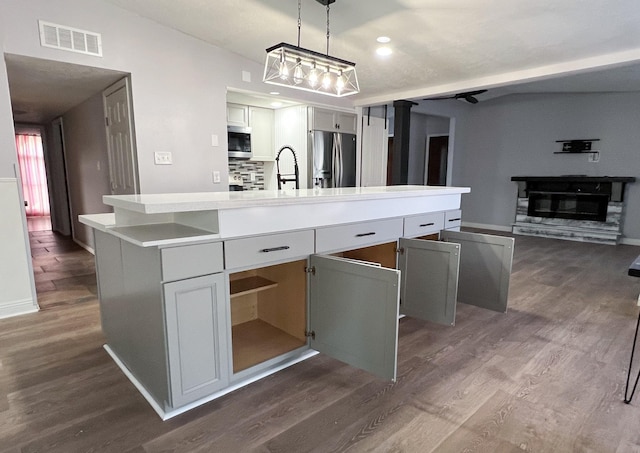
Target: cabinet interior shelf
point(249, 285)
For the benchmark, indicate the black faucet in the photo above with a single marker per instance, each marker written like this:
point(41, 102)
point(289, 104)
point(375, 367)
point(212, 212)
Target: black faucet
point(282, 178)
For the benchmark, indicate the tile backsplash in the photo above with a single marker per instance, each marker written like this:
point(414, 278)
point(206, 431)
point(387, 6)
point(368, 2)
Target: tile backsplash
point(244, 168)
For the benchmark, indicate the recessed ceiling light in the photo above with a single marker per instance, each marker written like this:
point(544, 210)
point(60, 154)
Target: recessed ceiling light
point(384, 51)
point(275, 93)
point(383, 39)
point(276, 104)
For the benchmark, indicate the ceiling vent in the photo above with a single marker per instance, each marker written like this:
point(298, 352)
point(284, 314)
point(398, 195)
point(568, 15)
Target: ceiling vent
point(71, 39)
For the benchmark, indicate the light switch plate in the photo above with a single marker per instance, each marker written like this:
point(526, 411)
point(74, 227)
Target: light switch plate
point(216, 177)
point(214, 140)
point(162, 158)
point(594, 156)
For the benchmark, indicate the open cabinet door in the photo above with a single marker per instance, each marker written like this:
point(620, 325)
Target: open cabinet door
point(485, 268)
point(353, 313)
point(429, 280)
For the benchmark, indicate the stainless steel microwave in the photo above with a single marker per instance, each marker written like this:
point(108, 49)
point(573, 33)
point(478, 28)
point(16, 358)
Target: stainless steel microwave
point(239, 139)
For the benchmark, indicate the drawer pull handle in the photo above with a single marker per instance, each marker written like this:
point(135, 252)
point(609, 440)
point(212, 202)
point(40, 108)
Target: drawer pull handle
point(371, 233)
point(427, 224)
point(275, 249)
point(455, 220)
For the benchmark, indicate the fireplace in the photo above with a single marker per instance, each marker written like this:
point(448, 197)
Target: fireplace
point(568, 205)
point(575, 207)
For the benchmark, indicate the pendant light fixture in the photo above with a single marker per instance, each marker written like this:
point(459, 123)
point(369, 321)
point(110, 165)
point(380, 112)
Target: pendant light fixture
point(303, 69)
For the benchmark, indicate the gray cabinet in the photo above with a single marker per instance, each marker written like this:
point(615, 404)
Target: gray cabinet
point(195, 311)
point(471, 268)
point(353, 313)
point(332, 121)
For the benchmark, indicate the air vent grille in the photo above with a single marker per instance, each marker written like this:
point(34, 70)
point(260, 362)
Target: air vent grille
point(71, 39)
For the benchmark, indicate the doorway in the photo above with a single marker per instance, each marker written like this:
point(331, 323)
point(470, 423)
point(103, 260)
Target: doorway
point(33, 176)
point(41, 93)
point(437, 160)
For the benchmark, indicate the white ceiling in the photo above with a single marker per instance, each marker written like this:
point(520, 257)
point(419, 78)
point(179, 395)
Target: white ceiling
point(439, 46)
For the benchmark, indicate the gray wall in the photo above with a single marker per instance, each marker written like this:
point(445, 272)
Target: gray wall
point(515, 135)
point(87, 163)
point(421, 126)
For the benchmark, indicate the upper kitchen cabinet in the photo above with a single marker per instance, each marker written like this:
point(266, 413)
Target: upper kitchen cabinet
point(332, 121)
point(237, 115)
point(261, 121)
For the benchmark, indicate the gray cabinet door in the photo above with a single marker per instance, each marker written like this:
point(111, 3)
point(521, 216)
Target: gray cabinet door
point(485, 268)
point(353, 312)
point(429, 279)
point(196, 337)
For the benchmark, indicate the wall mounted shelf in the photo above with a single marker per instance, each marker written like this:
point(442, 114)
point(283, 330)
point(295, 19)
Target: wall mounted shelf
point(578, 146)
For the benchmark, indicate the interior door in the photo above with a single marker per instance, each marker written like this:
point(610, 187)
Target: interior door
point(485, 268)
point(429, 272)
point(123, 170)
point(353, 313)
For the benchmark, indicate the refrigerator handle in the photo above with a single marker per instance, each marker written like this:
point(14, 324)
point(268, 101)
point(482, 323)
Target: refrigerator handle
point(338, 142)
point(334, 164)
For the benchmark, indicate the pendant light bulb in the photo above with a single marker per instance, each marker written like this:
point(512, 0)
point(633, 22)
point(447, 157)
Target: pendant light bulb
point(298, 74)
point(313, 76)
point(340, 82)
point(284, 70)
point(326, 79)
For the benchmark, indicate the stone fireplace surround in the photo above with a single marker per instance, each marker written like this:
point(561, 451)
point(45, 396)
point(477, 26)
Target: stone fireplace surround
point(566, 225)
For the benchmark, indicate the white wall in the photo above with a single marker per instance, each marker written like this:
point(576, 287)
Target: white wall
point(515, 135)
point(16, 295)
point(87, 160)
point(290, 130)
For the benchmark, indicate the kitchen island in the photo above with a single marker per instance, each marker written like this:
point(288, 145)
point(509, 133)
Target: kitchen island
point(203, 293)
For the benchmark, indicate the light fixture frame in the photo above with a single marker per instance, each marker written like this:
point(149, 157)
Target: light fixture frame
point(294, 55)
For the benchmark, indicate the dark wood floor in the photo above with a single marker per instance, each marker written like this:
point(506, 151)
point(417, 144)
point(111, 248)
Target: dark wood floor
point(64, 272)
point(548, 376)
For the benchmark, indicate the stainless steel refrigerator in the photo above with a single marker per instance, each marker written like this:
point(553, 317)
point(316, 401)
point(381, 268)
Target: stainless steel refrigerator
point(331, 159)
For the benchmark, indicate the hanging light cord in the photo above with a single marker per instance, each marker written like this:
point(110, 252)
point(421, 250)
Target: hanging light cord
point(299, 23)
point(327, 28)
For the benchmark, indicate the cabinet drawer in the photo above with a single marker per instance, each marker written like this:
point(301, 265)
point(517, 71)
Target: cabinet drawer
point(265, 249)
point(452, 219)
point(357, 235)
point(191, 261)
point(421, 225)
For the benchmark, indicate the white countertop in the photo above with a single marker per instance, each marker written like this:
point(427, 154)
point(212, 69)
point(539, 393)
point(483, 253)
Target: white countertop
point(205, 201)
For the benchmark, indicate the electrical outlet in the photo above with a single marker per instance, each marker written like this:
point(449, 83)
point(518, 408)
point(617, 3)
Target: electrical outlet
point(216, 177)
point(594, 156)
point(162, 158)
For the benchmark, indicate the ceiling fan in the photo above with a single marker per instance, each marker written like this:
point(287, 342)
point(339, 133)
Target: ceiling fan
point(467, 96)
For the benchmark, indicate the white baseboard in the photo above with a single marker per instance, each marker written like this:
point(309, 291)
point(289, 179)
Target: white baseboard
point(486, 226)
point(166, 415)
point(630, 241)
point(84, 246)
point(16, 308)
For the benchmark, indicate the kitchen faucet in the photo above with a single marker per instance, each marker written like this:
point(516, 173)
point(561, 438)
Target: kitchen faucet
point(282, 178)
